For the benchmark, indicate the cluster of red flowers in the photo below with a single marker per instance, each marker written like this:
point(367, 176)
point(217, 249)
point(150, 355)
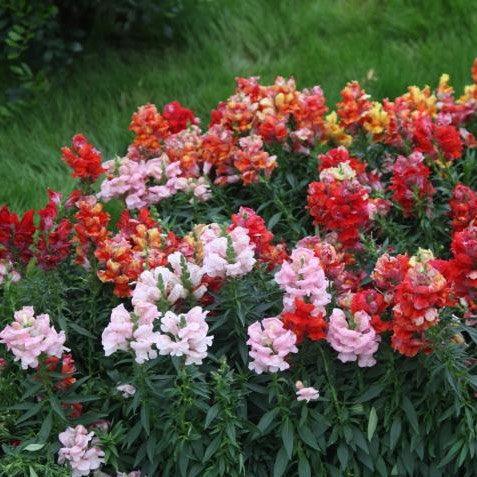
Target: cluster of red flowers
point(21, 239)
point(265, 250)
point(431, 121)
point(410, 183)
point(138, 245)
point(338, 265)
point(83, 158)
point(340, 201)
point(65, 366)
point(151, 127)
point(463, 206)
point(304, 322)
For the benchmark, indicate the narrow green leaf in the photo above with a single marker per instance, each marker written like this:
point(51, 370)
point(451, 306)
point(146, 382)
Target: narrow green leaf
point(395, 432)
point(211, 415)
point(304, 469)
point(410, 414)
point(281, 462)
point(287, 437)
point(372, 423)
point(267, 419)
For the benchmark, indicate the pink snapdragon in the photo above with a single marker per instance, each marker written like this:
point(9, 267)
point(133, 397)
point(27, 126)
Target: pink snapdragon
point(7, 273)
point(80, 449)
point(119, 331)
point(169, 286)
point(354, 339)
point(227, 253)
point(270, 343)
point(303, 277)
point(29, 336)
point(130, 331)
point(185, 335)
point(143, 183)
point(306, 394)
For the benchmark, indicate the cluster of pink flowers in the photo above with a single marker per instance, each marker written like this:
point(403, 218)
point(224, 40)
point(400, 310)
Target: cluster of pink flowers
point(303, 277)
point(7, 273)
point(143, 183)
point(227, 254)
point(353, 337)
point(270, 343)
point(30, 336)
point(168, 285)
point(80, 450)
point(128, 331)
point(185, 334)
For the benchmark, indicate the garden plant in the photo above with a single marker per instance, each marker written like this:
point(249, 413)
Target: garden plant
point(290, 290)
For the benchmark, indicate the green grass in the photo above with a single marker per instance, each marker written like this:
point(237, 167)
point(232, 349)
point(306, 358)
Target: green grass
point(326, 42)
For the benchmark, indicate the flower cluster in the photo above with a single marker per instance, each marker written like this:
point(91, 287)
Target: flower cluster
point(303, 280)
point(410, 183)
point(353, 337)
point(80, 450)
point(463, 205)
point(30, 337)
point(339, 202)
point(270, 343)
point(129, 331)
point(185, 335)
point(226, 254)
point(260, 237)
point(83, 158)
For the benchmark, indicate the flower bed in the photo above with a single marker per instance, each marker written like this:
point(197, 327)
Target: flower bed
point(292, 291)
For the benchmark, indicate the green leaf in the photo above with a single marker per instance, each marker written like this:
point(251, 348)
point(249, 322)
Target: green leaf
point(45, 428)
point(281, 462)
point(212, 448)
point(33, 447)
point(308, 437)
point(211, 415)
point(395, 432)
point(145, 418)
point(287, 437)
point(267, 419)
point(450, 454)
point(274, 220)
point(79, 329)
point(32, 471)
point(343, 455)
point(372, 423)
point(35, 409)
point(371, 393)
point(410, 414)
point(304, 469)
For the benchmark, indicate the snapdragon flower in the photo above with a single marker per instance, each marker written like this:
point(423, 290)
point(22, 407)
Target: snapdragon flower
point(80, 449)
point(129, 331)
point(185, 334)
point(270, 343)
point(227, 253)
point(29, 336)
point(303, 277)
point(354, 339)
point(306, 393)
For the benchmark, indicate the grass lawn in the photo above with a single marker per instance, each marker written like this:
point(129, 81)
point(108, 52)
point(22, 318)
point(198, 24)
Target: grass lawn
point(326, 42)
